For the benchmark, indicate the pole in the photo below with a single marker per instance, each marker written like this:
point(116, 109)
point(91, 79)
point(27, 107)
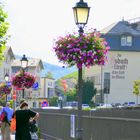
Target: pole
point(6, 98)
point(101, 84)
point(137, 99)
point(23, 87)
point(6, 94)
point(79, 115)
point(79, 130)
point(23, 93)
point(61, 104)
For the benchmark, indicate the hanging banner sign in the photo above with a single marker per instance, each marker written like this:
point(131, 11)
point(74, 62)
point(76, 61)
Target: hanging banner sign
point(72, 126)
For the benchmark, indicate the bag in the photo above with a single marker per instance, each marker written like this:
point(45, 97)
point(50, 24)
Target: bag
point(3, 117)
point(1, 123)
point(13, 125)
point(33, 126)
point(34, 136)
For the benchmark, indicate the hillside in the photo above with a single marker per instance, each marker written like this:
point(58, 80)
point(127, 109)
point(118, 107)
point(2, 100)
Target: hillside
point(70, 80)
point(56, 71)
point(73, 75)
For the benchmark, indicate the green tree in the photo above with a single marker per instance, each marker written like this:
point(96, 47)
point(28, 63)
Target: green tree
point(53, 101)
point(136, 87)
point(71, 95)
point(4, 25)
point(49, 75)
point(89, 91)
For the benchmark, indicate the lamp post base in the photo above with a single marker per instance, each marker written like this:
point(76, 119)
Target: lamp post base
point(79, 134)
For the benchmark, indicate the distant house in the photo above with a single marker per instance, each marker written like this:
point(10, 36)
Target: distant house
point(114, 81)
point(5, 67)
point(35, 66)
point(47, 87)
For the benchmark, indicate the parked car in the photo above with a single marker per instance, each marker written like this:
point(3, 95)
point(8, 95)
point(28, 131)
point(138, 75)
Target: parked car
point(85, 106)
point(105, 106)
point(68, 107)
point(71, 105)
point(50, 107)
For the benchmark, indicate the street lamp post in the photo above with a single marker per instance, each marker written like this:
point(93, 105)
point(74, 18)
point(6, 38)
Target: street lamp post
point(6, 77)
point(60, 101)
point(24, 64)
point(81, 14)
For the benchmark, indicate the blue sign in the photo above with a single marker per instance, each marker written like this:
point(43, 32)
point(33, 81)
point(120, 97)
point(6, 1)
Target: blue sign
point(35, 85)
point(8, 84)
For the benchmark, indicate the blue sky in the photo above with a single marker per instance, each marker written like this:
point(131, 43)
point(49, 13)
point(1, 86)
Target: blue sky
point(34, 24)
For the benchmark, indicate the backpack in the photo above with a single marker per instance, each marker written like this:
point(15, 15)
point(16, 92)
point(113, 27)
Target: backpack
point(3, 117)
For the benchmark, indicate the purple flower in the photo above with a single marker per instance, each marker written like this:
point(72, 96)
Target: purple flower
point(88, 49)
point(21, 80)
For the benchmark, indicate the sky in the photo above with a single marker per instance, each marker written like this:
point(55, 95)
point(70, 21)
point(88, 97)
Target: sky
point(34, 24)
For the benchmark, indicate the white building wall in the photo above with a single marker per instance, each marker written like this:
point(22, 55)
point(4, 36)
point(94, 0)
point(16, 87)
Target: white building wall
point(47, 87)
point(124, 68)
point(122, 75)
point(42, 90)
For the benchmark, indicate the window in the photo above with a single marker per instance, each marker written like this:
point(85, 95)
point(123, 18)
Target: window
point(126, 40)
point(95, 79)
point(50, 83)
point(106, 83)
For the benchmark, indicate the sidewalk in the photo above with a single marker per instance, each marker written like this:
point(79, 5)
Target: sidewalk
point(12, 137)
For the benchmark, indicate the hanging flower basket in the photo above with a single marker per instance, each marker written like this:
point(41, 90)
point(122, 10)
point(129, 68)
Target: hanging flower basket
point(23, 80)
point(4, 89)
point(84, 50)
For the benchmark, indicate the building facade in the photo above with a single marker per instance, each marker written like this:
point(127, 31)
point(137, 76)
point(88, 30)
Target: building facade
point(47, 87)
point(114, 81)
point(35, 66)
point(5, 67)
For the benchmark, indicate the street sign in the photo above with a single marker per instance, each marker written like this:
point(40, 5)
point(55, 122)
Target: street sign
point(35, 85)
point(9, 84)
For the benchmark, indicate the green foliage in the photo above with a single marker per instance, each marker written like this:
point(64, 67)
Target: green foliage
point(71, 79)
point(89, 91)
point(2, 102)
point(49, 75)
point(87, 109)
point(11, 103)
point(39, 133)
point(3, 32)
point(53, 101)
point(71, 75)
point(136, 87)
point(71, 95)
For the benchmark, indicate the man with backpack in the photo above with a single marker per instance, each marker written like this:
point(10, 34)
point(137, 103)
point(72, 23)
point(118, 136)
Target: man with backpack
point(7, 114)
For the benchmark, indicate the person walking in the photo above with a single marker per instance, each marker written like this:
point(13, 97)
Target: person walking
point(21, 101)
point(23, 117)
point(5, 127)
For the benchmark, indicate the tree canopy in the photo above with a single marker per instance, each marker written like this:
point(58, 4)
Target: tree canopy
point(89, 92)
point(4, 25)
point(49, 75)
